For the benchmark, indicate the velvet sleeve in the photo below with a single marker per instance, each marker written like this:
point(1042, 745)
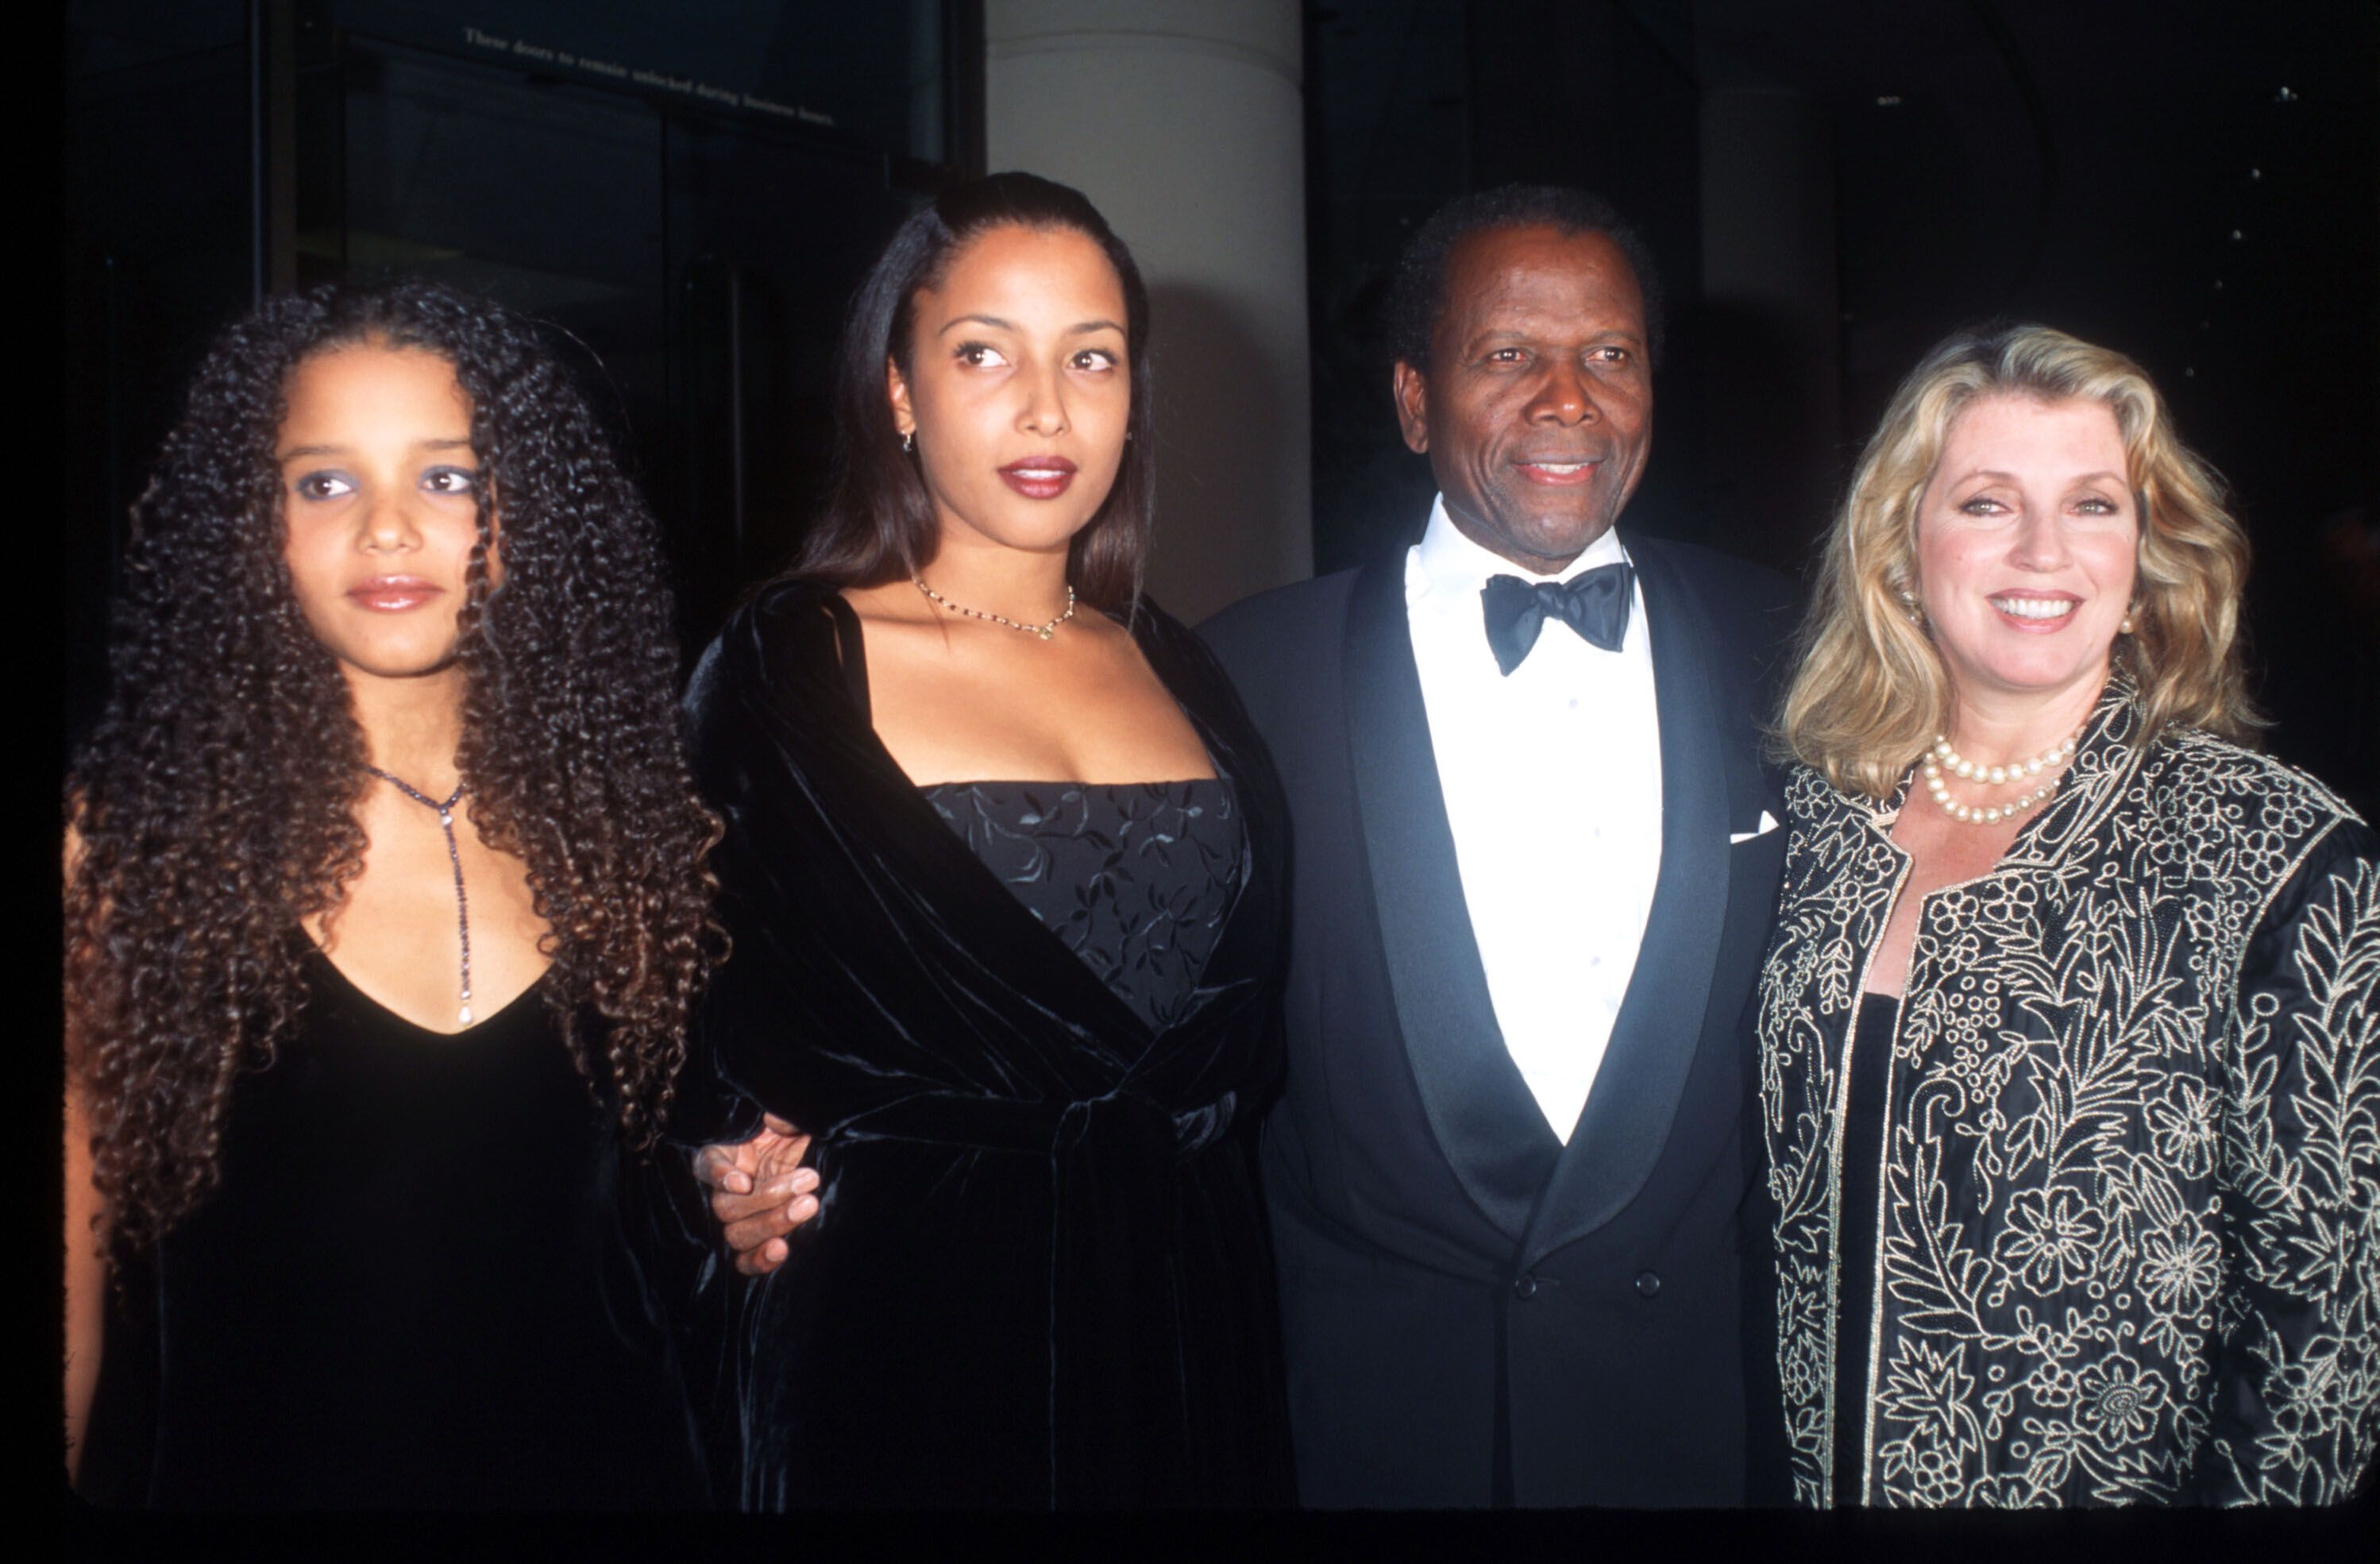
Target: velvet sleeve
point(686, 1265)
point(707, 1107)
point(2295, 1408)
point(772, 729)
point(710, 1105)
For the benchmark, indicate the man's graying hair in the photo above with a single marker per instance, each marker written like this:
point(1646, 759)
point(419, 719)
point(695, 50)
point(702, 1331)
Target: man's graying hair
point(1418, 294)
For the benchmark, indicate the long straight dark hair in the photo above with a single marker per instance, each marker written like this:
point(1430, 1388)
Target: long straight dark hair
point(877, 524)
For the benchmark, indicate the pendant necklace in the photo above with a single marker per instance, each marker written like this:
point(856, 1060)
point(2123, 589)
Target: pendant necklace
point(445, 812)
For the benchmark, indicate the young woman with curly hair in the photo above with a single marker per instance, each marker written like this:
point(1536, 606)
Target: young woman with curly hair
point(385, 902)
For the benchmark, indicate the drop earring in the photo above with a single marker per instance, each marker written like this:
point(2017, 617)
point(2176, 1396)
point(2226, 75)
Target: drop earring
point(909, 440)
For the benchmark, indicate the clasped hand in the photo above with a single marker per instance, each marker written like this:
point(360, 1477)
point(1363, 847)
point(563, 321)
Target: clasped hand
point(759, 1191)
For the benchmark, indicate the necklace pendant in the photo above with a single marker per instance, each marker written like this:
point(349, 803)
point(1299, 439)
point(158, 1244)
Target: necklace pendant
point(445, 812)
point(1044, 631)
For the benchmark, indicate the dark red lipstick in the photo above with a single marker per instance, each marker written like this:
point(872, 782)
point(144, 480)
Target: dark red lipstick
point(1039, 477)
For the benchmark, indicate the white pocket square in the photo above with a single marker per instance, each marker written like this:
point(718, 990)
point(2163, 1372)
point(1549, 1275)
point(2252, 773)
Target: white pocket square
point(1767, 823)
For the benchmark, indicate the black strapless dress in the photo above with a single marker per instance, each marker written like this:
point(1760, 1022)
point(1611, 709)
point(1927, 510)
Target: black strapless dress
point(1032, 1028)
point(411, 1289)
point(1135, 878)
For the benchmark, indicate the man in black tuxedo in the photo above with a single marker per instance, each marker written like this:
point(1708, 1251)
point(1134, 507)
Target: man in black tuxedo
point(1534, 866)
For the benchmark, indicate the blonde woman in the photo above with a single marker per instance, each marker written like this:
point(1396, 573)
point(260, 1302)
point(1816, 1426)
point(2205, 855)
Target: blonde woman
point(2069, 1059)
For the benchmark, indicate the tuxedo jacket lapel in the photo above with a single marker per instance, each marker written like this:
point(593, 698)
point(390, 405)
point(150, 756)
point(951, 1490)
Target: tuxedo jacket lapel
point(1487, 1125)
point(1627, 1118)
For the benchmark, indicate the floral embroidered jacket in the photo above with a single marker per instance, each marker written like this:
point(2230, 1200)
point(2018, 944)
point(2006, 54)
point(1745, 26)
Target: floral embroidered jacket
point(2126, 1235)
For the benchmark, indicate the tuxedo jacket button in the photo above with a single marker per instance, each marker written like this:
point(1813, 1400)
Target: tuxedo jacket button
point(1648, 1284)
point(1524, 1287)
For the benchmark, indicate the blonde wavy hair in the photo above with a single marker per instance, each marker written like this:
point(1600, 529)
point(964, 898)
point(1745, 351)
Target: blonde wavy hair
point(1872, 691)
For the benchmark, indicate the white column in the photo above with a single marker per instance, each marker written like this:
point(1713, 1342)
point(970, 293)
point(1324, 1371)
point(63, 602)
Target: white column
point(1181, 121)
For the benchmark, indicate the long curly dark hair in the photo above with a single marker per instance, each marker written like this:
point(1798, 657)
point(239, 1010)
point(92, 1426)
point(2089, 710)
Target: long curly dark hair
point(215, 799)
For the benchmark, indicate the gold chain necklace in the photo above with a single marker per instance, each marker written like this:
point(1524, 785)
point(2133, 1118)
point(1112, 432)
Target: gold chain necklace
point(1041, 630)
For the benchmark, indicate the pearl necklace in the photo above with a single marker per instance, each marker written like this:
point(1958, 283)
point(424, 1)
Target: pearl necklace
point(1942, 757)
point(1041, 630)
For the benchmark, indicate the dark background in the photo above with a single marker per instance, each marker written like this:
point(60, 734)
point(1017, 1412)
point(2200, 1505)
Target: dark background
point(2196, 184)
point(691, 251)
point(1830, 187)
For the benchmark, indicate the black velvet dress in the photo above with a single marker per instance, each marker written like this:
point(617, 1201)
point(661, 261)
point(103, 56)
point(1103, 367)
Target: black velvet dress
point(1039, 1276)
point(410, 1291)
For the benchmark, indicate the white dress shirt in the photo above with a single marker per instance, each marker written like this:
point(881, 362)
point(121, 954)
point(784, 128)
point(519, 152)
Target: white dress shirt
point(1553, 780)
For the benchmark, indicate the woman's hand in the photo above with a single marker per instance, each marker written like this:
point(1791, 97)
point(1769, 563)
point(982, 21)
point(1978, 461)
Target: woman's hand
point(759, 1191)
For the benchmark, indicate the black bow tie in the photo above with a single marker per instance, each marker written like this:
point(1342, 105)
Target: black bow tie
point(1595, 604)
